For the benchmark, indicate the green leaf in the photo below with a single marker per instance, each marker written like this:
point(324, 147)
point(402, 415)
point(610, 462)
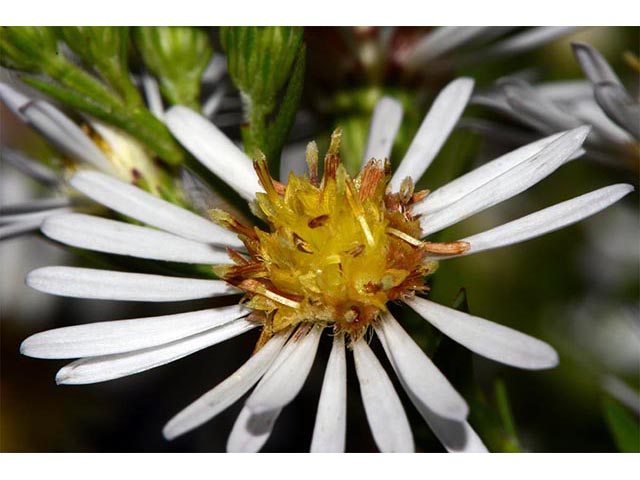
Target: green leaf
point(623, 425)
point(461, 302)
point(178, 56)
point(506, 416)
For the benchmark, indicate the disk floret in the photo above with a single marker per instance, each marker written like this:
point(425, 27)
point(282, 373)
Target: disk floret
point(338, 248)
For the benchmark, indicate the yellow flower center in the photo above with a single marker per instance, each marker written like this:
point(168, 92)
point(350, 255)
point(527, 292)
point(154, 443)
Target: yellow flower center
point(337, 249)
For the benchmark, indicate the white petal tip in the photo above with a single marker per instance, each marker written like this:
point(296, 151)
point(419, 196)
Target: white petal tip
point(24, 348)
point(582, 131)
point(548, 359)
point(63, 377)
point(467, 82)
point(169, 433)
point(33, 347)
point(626, 188)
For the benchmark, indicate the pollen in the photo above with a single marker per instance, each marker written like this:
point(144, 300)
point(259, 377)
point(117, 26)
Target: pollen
point(337, 249)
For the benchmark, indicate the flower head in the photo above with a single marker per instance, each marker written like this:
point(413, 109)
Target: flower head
point(335, 252)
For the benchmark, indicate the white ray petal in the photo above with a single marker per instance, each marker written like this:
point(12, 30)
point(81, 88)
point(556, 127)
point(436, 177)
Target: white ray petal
point(509, 183)
point(214, 150)
point(19, 228)
point(546, 220)
point(489, 339)
point(527, 40)
point(385, 122)
point(616, 102)
point(386, 417)
point(33, 206)
point(136, 203)
point(109, 285)
point(29, 166)
point(251, 431)
point(566, 90)
point(467, 183)
point(64, 134)
point(330, 429)
point(216, 69)
point(14, 100)
point(593, 64)
point(456, 436)
point(293, 160)
point(285, 378)
point(419, 374)
point(120, 336)
point(152, 94)
point(102, 235)
point(227, 392)
point(441, 40)
point(526, 103)
point(590, 113)
point(211, 105)
point(434, 131)
point(110, 367)
point(32, 217)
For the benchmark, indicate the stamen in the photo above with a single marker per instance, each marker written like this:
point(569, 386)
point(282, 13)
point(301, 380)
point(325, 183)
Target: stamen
point(419, 196)
point(406, 190)
point(256, 287)
point(332, 158)
point(371, 176)
point(228, 221)
point(318, 221)
point(358, 211)
point(236, 257)
point(312, 162)
point(403, 236)
point(301, 244)
point(446, 248)
point(262, 170)
point(355, 251)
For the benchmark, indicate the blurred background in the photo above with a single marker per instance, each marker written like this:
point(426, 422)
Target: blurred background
point(578, 289)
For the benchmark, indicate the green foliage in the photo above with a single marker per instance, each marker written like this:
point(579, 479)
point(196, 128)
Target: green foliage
point(34, 50)
point(275, 56)
point(30, 49)
point(106, 50)
point(623, 425)
point(178, 56)
point(493, 420)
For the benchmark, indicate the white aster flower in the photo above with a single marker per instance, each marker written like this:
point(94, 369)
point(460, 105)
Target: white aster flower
point(601, 101)
point(338, 250)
